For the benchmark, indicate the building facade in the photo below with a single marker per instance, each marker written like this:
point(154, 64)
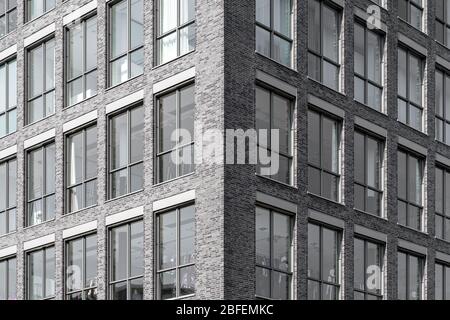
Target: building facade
point(98, 198)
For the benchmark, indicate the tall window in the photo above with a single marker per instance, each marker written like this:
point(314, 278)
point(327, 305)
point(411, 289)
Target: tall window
point(410, 276)
point(36, 8)
point(274, 36)
point(8, 202)
point(41, 81)
point(442, 22)
point(368, 270)
point(411, 11)
point(323, 263)
point(126, 40)
point(410, 189)
point(442, 203)
point(410, 88)
point(8, 279)
point(82, 169)
point(8, 97)
point(81, 268)
point(273, 254)
point(274, 112)
point(442, 281)
point(175, 119)
point(175, 273)
point(368, 65)
point(8, 16)
point(41, 184)
point(323, 155)
point(323, 43)
point(82, 60)
point(126, 262)
point(442, 106)
point(41, 274)
point(175, 29)
point(126, 152)
point(368, 159)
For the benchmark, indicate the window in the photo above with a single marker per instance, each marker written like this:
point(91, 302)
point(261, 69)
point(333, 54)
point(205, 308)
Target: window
point(81, 176)
point(274, 29)
point(175, 274)
point(410, 178)
point(442, 106)
point(368, 159)
point(411, 11)
point(41, 274)
point(442, 23)
point(126, 262)
point(81, 268)
point(442, 281)
point(36, 8)
point(82, 60)
point(410, 89)
point(442, 203)
point(41, 184)
point(323, 155)
point(324, 43)
point(175, 116)
point(126, 150)
point(274, 112)
point(368, 64)
point(410, 276)
point(323, 263)
point(8, 203)
point(126, 40)
point(273, 255)
point(8, 16)
point(41, 81)
point(175, 29)
point(8, 97)
point(8, 278)
point(368, 270)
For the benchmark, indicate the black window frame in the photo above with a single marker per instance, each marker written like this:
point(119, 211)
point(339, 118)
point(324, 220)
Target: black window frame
point(7, 260)
point(421, 268)
point(444, 265)
point(409, 4)
point(6, 14)
point(438, 118)
point(9, 207)
point(8, 109)
point(445, 217)
point(44, 249)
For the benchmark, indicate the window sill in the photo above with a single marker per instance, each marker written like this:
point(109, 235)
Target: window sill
point(442, 143)
point(277, 182)
point(8, 34)
point(39, 224)
point(7, 135)
point(369, 107)
point(412, 229)
point(38, 17)
point(443, 240)
point(37, 121)
point(371, 215)
point(412, 128)
point(442, 45)
point(409, 24)
point(326, 199)
point(326, 87)
point(173, 60)
point(124, 196)
point(275, 61)
point(80, 102)
point(8, 234)
point(78, 211)
point(174, 179)
point(123, 82)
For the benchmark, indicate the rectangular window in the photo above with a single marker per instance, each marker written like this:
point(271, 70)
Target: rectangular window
point(410, 88)
point(41, 81)
point(324, 43)
point(368, 66)
point(442, 106)
point(8, 201)
point(81, 268)
point(126, 40)
point(323, 263)
point(368, 270)
point(81, 164)
point(442, 23)
point(41, 184)
point(274, 112)
point(8, 97)
point(126, 152)
point(410, 276)
point(323, 155)
point(410, 189)
point(274, 36)
point(273, 255)
point(175, 134)
point(82, 60)
point(411, 11)
point(175, 274)
point(8, 279)
point(41, 274)
point(175, 29)
point(368, 162)
point(442, 203)
point(8, 16)
point(126, 261)
point(36, 8)
point(442, 281)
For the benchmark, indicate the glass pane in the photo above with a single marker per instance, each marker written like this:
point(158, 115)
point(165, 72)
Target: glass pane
point(3, 224)
point(262, 282)
point(402, 111)
point(137, 63)
point(75, 39)
point(330, 30)
point(91, 152)
point(415, 180)
point(91, 44)
point(137, 289)
point(359, 156)
point(75, 91)
point(50, 272)
point(439, 191)
point(35, 174)
point(314, 25)
point(74, 269)
point(91, 262)
point(75, 296)
point(12, 121)
point(402, 85)
point(330, 145)
point(262, 237)
point(35, 213)
point(360, 198)
point(90, 195)
point(439, 223)
point(187, 235)
point(75, 158)
point(282, 51)
point(167, 122)
point(373, 272)
point(12, 279)
point(136, 23)
point(415, 118)
point(329, 292)
point(415, 79)
point(167, 168)
point(186, 159)
point(439, 282)
point(187, 10)
point(3, 186)
point(263, 12)
point(50, 165)
point(262, 41)
point(416, 17)
point(167, 15)
point(91, 84)
point(313, 290)
point(137, 249)
point(439, 94)
point(119, 141)
point(187, 104)
point(49, 64)
point(330, 186)
point(314, 138)
point(373, 163)
point(187, 39)
point(167, 240)
point(119, 291)
point(137, 177)
point(187, 280)
point(374, 97)
point(402, 212)
point(3, 87)
point(313, 251)
point(401, 276)
point(359, 43)
point(314, 182)
point(414, 217)
point(12, 220)
point(373, 202)
point(119, 183)
point(359, 265)
point(12, 84)
point(119, 253)
point(168, 48)
point(360, 88)
point(280, 286)
point(281, 242)
point(401, 174)
point(137, 134)
point(330, 75)
point(119, 28)
point(262, 112)
point(35, 71)
point(314, 67)
point(281, 120)
point(374, 58)
point(36, 275)
point(167, 285)
point(3, 275)
point(415, 279)
point(49, 207)
point(75, 198)
point(49, 103)
point(329, 256)
point(119, 71)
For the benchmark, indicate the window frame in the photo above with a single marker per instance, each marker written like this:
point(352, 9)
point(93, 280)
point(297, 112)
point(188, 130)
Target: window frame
point(445, 25)
point(421, 268)
point(407, 19)
point(27, 15)
point(7, 260)
point(9, 207)
point(438, 118)
point(44, 250)
point(444, 266)
point(445, 218)
point(8, 110)
point(6, 14)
